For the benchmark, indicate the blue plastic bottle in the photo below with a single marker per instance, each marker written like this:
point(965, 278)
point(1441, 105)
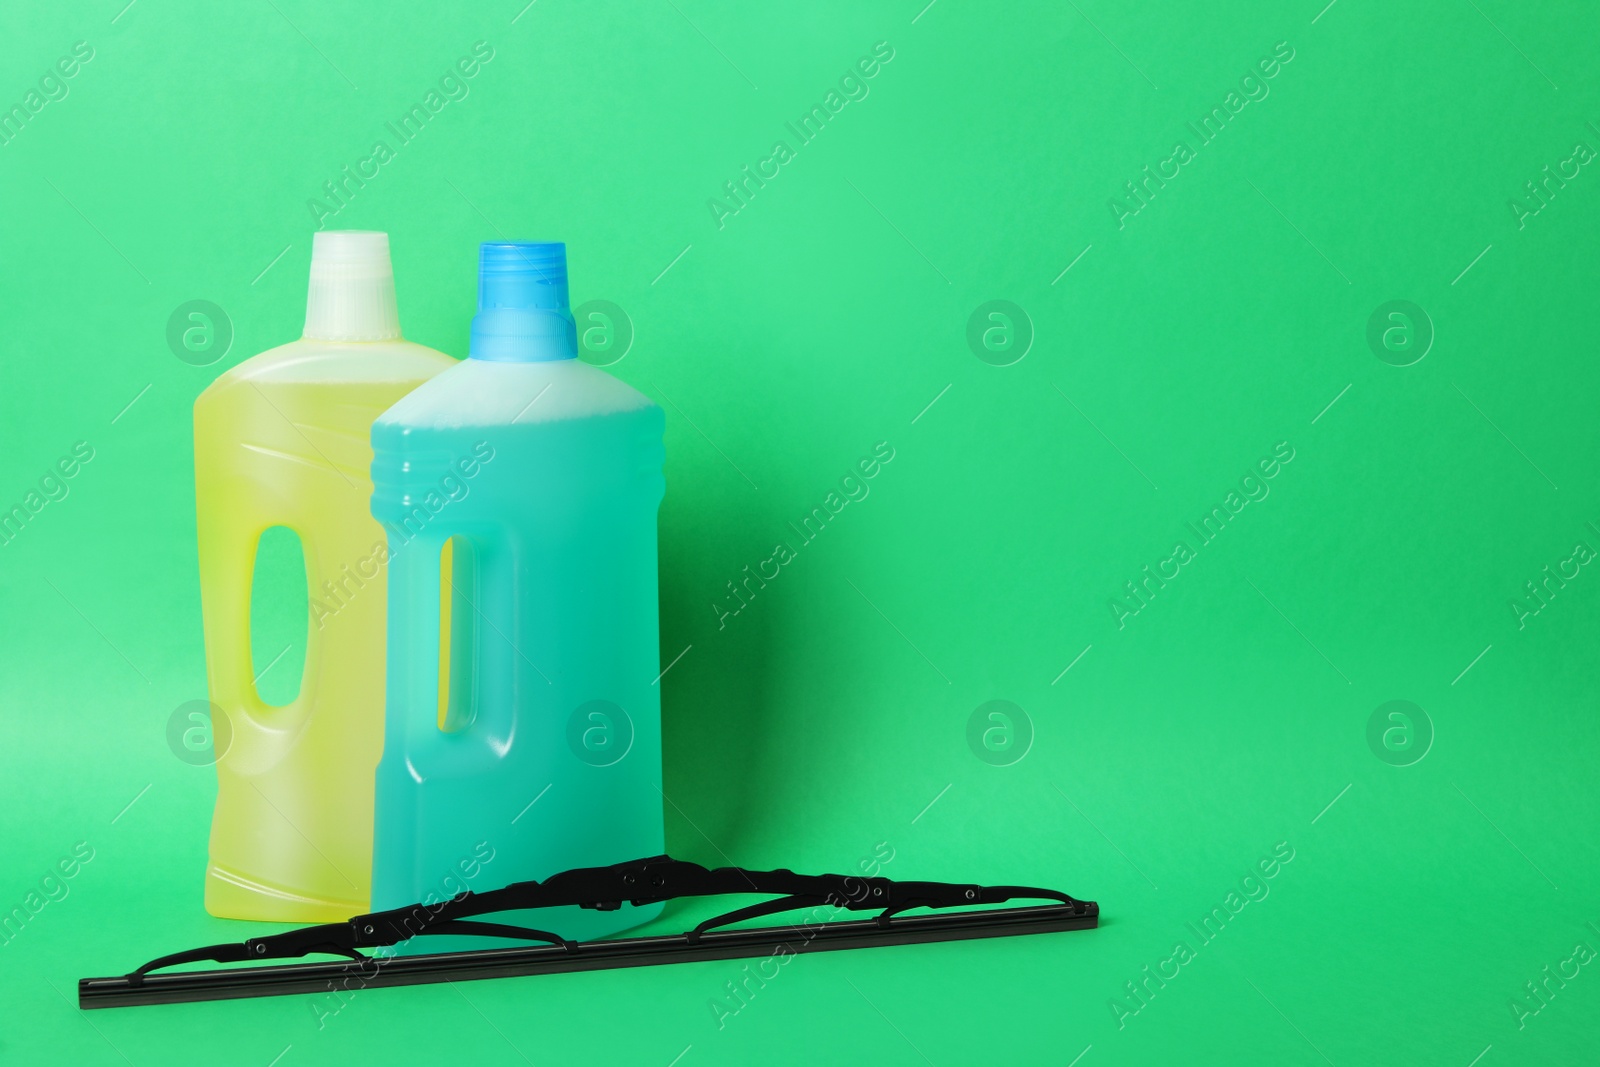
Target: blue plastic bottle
point(519, 490)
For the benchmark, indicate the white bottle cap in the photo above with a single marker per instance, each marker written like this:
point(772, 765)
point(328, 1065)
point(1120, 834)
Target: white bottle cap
point(352, 288)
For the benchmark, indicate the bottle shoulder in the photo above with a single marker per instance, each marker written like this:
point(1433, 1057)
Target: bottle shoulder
point(479, 392)
point(313, 362)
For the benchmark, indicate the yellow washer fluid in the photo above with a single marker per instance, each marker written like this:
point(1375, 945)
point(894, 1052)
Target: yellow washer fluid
point(283, 439)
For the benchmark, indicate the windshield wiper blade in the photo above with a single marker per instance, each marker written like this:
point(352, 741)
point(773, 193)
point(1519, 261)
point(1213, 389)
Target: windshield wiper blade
point(956, 912)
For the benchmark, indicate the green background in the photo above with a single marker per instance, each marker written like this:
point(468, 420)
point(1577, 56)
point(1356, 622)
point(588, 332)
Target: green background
point(831, 714)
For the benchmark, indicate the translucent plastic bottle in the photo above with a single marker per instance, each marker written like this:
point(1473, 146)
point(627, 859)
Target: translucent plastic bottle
point(282, 439)
point(531, 481)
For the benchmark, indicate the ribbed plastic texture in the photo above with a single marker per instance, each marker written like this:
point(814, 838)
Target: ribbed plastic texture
point(522, 303)
point(352, 288)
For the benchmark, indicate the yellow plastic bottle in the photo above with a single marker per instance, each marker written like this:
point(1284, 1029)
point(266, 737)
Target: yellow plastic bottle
point(283, 439)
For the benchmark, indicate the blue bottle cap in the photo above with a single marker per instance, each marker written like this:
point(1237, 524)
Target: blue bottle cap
point(522, 303)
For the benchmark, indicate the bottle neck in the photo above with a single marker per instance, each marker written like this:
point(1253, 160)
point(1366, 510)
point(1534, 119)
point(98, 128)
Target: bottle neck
point(344, 305)
point(523, 335)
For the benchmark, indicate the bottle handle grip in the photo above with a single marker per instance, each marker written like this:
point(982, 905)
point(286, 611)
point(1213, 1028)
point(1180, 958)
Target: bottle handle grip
point(471, 560)
point(232, 684)
point(418, 702)
point(413, 644)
